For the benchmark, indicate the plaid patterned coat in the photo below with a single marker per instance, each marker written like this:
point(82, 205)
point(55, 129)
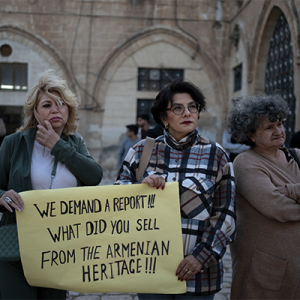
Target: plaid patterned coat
point(207, 199)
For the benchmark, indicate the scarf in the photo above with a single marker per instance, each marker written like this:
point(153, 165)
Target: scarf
point(188, 141)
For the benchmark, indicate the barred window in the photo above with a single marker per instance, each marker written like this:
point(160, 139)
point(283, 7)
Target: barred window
point(13, 76)
point(156, 79)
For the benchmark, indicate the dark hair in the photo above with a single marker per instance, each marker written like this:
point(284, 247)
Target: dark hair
point(134, 128)
point(248, 112)
point(177, 86)
point(144, 117)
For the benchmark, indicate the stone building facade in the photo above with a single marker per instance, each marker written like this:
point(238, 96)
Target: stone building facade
point(116, 54)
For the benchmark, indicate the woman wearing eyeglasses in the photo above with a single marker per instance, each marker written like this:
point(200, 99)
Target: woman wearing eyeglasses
point(206, 187)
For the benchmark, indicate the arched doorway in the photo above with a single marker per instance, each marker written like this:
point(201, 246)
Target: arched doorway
point(279, 75)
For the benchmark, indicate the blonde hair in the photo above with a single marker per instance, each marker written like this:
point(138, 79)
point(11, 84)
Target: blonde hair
point(49, 83)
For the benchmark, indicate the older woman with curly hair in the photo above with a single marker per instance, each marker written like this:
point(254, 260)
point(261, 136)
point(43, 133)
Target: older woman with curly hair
point(43, 154)
point(265, 255)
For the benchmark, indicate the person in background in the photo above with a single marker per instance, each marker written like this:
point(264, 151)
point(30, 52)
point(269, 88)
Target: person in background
point(143, 123)
point(265, 254)
point(206, 187)
point(295, 140)
point(155, 132)
point(44, 144)
point(130, 141)
point(231, 146)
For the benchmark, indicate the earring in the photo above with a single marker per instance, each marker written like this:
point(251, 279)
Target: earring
point(166, 126)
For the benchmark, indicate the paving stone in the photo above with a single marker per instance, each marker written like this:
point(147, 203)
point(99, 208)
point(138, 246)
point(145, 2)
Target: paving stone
point(71, 293)
point(225, 291)
point(226, 285)
point(117, 297)
point(220, 296)
point(114, 294)
point(87, 297)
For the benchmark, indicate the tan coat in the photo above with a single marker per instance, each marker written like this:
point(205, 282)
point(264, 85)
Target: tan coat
point(266, 252)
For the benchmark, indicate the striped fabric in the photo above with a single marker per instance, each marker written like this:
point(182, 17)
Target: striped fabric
point(207, 199)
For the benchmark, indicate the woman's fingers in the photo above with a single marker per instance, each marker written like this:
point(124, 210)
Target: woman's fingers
point(5, 204)
point(41, 132)
point(12, 199)
point(188, 268)
point(46, 136)
point(160, 182)
point(18, 200)
point(155, 181)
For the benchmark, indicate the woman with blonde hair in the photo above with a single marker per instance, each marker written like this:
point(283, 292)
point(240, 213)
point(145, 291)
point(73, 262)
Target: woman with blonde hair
point(43, 154)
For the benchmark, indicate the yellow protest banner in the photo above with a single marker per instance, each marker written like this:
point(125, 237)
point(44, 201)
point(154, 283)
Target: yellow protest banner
point(121, 238)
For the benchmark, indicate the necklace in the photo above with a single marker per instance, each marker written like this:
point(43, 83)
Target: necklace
point(53, 173)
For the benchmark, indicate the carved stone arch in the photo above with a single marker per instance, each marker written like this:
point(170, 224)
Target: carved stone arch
point(42, 46)
point(264, 28)
point(149, 36)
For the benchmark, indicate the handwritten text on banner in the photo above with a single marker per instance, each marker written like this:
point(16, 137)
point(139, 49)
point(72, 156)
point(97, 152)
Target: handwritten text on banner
point(124, 238)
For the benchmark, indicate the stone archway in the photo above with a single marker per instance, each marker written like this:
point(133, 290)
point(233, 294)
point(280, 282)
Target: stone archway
point(269, 15)
point(264, 29)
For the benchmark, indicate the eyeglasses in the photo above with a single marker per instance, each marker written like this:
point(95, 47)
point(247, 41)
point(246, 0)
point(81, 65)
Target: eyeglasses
point(178, 109)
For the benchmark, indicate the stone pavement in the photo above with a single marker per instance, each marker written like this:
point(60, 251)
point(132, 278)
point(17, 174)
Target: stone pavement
point(224, 294)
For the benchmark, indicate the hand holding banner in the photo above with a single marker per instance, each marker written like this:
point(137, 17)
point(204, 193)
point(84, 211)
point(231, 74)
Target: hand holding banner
point(124, 238)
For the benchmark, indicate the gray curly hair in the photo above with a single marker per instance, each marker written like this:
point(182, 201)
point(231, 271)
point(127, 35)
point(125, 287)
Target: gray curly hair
point(248, 112)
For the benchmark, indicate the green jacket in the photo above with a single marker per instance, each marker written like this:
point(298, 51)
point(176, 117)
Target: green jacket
point(15, 164)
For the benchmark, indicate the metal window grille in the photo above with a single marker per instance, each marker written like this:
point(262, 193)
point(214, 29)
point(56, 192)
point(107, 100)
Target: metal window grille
point(280, 71)
point(156, 79)
point(13, 76)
